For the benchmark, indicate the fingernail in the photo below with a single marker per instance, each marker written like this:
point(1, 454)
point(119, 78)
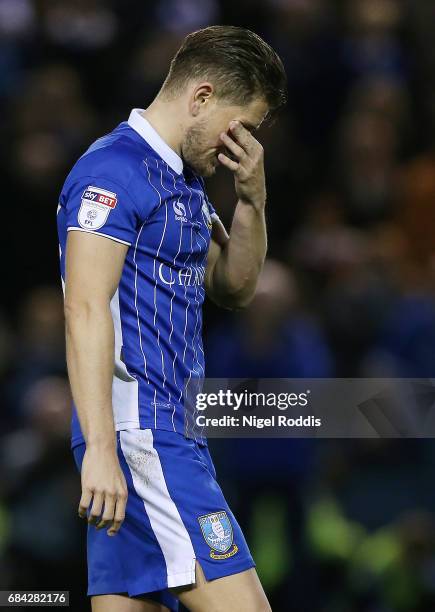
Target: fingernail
point(233, 124)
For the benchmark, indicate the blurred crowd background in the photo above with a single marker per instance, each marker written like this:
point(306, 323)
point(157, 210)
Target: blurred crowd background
point(348, 291)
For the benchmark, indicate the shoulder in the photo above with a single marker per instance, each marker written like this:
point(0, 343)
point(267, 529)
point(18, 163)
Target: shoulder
point(119, 161)
point(116, 159)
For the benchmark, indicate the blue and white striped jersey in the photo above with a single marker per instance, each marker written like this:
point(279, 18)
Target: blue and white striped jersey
point(131, 187)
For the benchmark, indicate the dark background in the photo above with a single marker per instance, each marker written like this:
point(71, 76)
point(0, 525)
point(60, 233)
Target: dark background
point(335, 526)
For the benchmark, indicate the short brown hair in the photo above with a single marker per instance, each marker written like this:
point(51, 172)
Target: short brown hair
point(239, 63)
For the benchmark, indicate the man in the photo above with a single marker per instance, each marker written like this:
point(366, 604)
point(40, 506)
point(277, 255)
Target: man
point(139, 241)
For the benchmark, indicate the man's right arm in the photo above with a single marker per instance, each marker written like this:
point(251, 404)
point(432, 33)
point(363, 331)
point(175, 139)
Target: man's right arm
point(93, 270)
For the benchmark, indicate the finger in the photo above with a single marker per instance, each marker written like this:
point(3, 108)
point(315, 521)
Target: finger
point(119, 515)
point(109, 510)
point(84, 503)
point(97, 507)
point(229, 163)
point(243, 136)
point(232, 146)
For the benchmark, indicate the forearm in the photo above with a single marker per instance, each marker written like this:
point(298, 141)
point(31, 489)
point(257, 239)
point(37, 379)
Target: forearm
point(242, 257)
point(90, 360)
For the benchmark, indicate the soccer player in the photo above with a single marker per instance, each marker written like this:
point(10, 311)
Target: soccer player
point(140, 244)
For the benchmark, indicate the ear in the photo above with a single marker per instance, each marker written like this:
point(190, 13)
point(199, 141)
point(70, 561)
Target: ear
point(201, 96)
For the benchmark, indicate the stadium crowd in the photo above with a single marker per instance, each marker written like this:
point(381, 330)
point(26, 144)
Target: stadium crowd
point(348, 290)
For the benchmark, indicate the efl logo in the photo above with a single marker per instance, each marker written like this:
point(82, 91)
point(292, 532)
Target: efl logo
point(95, 207)
point(100, 196)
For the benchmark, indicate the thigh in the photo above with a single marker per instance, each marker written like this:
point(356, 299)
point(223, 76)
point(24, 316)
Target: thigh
point(192, 517)
point(129, 566)
point(123, 603)
point(240, 592)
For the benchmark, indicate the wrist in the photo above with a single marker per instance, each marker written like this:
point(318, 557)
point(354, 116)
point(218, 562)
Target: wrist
point(101, 442)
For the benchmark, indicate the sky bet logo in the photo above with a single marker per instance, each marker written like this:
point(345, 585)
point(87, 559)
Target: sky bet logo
point(95, 207)
point(100, 196)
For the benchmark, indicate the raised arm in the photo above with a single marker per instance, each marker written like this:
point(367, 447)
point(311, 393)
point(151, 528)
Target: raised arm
point(235, 261)
point(93, 269)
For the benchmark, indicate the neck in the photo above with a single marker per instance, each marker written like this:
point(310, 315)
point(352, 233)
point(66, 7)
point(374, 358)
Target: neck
point(165, 119)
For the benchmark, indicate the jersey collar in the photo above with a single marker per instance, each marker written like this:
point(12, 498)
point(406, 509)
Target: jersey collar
point(148, 133)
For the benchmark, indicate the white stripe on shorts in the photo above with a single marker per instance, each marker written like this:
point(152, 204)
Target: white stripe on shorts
point(149, 482)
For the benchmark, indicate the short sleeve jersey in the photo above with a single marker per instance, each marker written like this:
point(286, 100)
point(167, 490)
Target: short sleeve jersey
point(131, 187)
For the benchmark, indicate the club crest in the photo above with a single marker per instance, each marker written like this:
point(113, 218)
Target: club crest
point(218, 533)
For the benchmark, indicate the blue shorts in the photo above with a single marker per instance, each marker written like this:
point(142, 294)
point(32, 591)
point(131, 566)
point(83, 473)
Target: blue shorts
point(176, 513)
